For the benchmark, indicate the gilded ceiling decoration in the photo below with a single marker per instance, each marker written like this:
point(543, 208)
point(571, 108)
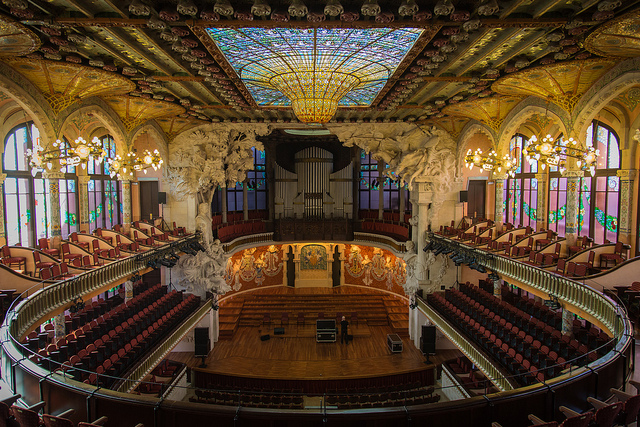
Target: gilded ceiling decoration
point(135, 111)
point(172, 126)
point(618, 37)
point(490, 111)
point(16, 39)
point(563, 84)
point(630, 98)
point(63, 83)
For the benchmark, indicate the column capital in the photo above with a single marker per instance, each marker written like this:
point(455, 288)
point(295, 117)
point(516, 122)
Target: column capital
point(84, 179)
point(573, 174)
point(53, 175)
point(125, 178)
point(499, 175)
point(627, 174)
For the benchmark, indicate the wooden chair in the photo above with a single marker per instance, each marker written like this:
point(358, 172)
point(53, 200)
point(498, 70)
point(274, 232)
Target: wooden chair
point(66, 253)
point(15, 262)
point(43, 245)
point(616, 256)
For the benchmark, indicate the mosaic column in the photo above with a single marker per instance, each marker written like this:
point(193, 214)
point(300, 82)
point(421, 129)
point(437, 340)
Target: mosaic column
point(83, 191)
point(573, 187)
point(626, 207)
point(567, 322)
point(3, 231)
point(423, 192)
point(541, 210)
point(126, 203)
point(59, 328)
point(54, 178)
point(497, 285)
point(499, 189)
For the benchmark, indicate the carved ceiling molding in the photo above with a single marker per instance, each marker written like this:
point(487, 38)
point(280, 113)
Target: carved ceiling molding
point(527, 108)
point(30, 99)
point(104, 115)
point(619, 37)
point(412, 152)
point(16, 39)
point(623, 76)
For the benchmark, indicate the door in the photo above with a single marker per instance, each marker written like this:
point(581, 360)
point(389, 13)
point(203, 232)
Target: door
point(476, 198)
point(149, 199)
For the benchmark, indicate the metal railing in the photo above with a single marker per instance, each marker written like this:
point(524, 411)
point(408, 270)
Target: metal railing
point(588, 300)
point(60, 294)
point(478, 358)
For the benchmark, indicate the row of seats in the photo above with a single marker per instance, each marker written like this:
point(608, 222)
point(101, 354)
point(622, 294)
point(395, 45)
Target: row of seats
point(257, 400)
point(470, 377)
point(386, 216)
point(515, 359)
point(13, 415)
point(239, 216)
point(397, 231)
point(414, 396)
point(229, 232)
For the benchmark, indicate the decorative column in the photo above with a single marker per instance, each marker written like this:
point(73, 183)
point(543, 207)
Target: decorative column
point(573, 187)
point(497, 285)
point(83, 190)
point(380, 190)
point(422, 197)
point(567, 322)
point(126, 203)
point(59, 327)
point(499, 189)
point(355, 188)
point(541, 210)
point(3, 231)
point(224, 205)
point(245, 200)
point(54, 178)
point(626, 207)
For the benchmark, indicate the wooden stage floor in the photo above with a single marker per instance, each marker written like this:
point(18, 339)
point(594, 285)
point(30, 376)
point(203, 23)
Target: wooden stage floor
point(297, 355)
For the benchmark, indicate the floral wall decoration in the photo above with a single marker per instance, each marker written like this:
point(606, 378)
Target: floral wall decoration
point(374, 267)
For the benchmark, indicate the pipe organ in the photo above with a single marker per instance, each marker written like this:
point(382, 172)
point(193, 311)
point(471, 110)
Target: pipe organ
point(319, 191)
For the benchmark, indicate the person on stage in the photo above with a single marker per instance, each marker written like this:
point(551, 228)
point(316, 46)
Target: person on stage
point(344, 326)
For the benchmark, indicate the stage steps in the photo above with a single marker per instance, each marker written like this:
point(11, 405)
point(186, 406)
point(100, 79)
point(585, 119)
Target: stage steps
point(373, 309)
point(228, 318)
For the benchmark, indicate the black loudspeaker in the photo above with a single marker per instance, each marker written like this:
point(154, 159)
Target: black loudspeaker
point(265, 337)
point(201, 338)
point(162, 198)
point(278, 331)
point(428, 339)
point(464, 196)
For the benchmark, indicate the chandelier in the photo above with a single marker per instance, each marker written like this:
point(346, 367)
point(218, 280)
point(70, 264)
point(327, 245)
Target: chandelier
point(550, 152)
point(131, 163)
point(491, 162)
point(65, 154)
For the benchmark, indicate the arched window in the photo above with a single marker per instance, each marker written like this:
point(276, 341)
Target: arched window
point(104, 192)
point(27, 217)
point(600, 201)
point(521, 191)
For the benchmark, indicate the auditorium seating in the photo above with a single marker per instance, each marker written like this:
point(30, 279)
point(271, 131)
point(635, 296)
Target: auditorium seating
point(398, 231)
point(108, 341)
point(230, 231)
point(386, 216)
point(528, 347)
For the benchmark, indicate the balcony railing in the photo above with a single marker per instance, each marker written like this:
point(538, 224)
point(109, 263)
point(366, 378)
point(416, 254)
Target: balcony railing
point(588, 301)
point(52, 297)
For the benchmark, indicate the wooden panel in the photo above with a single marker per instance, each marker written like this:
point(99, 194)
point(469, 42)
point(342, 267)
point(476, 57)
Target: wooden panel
point(476, 197)
point(149, 199)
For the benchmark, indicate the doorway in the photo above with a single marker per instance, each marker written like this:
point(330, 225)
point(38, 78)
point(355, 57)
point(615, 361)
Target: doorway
point(149, 200)
point(476, 198)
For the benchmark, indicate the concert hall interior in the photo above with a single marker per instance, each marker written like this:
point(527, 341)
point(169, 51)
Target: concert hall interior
point(338, 212)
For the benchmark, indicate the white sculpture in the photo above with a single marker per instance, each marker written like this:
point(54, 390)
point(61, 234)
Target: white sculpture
point(201, 160)
point(413, 268)
point(637, 135)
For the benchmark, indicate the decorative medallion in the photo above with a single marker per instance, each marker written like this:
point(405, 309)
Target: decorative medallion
point(619, 37)
point(16, 39)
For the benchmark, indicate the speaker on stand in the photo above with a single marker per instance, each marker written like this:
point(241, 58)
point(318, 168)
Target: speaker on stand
point(202, 344)
point(428, 341)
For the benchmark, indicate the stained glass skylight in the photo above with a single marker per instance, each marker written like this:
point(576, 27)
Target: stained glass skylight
point(314, 69)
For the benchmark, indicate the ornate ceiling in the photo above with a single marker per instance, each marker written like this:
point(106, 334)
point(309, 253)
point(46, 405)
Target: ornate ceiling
point(473, 60)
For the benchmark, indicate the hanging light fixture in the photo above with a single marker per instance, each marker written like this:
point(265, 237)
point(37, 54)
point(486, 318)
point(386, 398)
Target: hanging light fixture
point(491, 162)
point(78, 154)
point(549, 152)
point(131, 163)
